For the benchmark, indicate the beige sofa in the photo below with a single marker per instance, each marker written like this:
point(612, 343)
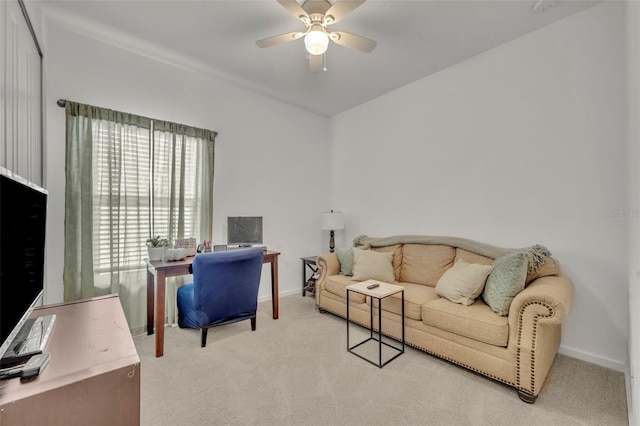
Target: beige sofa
point(517, 349)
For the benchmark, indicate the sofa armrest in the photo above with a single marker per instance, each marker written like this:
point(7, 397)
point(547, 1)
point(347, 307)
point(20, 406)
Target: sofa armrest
point(553, 292)
point(328, 264)
point(535, 322)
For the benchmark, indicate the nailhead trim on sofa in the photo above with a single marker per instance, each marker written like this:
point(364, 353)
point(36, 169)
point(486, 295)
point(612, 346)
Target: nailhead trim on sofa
point(533, 343)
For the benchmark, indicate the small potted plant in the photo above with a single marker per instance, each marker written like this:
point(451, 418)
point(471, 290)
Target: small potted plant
point(156, 247)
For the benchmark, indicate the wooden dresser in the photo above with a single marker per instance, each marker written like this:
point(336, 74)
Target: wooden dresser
point(93, 377)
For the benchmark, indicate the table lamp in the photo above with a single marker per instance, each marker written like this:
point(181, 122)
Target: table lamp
point(330, 222)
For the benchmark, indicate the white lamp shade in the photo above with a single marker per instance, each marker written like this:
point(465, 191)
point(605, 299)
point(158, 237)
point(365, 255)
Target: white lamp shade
point(316, 42)
point(332, 220)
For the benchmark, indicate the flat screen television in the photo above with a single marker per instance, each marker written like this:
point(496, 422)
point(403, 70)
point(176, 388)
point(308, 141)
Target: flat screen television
point(244, 230)
point(23, 210)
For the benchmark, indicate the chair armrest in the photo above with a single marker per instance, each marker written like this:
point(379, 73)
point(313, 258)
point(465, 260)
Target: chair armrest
point(328, 264)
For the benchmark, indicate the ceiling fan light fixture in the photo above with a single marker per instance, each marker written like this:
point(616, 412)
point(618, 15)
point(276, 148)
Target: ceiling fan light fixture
point(317, 16)
point(316, 42)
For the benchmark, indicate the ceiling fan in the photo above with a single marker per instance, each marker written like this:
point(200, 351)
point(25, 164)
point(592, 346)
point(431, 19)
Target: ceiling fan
point(317, 16)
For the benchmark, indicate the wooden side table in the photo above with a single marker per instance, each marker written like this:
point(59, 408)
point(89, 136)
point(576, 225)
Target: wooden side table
point(383, 290)
point(308, 263)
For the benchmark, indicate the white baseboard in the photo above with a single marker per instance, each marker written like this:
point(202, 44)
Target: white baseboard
point(285, 293)
point(593, 358)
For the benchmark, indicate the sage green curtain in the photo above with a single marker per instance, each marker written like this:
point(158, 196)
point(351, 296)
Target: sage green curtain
point(129, 178)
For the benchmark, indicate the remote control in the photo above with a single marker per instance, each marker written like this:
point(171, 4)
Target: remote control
point(372, 286)
point(35, 365)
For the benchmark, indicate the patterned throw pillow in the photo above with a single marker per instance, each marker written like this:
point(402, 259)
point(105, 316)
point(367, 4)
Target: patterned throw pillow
point(373, 265)
point(345, 257)
point(505, 281)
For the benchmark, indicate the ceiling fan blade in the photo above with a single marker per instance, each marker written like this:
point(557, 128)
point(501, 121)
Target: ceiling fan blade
point(340, 9)
point(316, 63)
point(353, 41)
point(294, 8)
point(282, 38)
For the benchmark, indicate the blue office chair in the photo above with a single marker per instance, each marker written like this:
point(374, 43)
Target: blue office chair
point(224, 290)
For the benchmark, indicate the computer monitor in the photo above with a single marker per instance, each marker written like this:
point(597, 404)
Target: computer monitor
point(244, 230)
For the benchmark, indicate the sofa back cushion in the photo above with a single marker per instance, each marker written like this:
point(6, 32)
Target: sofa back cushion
point(472, 257)
point(424, 263)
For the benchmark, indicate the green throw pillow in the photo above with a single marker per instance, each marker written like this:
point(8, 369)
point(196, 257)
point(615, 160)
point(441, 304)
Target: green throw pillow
point(345, 257)
point(505, 281)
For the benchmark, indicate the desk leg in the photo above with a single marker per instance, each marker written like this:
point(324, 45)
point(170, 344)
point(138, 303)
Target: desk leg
point(274, 286)
point(160, 296)
point(150, 297)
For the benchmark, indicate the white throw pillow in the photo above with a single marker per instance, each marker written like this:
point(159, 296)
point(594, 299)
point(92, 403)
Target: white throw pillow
point(373, 265)
point(463, 282)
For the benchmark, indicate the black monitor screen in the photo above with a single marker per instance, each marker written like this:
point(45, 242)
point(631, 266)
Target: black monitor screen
point(22, 237)
point(244, 230)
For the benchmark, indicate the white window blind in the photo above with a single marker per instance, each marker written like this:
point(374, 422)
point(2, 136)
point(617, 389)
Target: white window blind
point(126, 175)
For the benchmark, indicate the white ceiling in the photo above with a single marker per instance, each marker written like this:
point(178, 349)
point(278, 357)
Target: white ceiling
point(415, 38)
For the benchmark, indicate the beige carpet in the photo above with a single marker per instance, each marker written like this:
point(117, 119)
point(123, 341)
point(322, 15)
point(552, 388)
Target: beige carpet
point(296, 371)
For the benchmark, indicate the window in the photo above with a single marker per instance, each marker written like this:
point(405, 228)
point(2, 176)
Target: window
point(129, 178)
point(124, 173)
point(121, 170)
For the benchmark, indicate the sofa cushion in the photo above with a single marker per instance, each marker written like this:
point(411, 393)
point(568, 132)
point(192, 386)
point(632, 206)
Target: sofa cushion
point(397, 257)
point(345, 257)
point(415, 295)
point(425, 264)
point(472, 257)
point(505, 281)
point(463, 282)
point(372, 265)
point(476, 321)
point(336, 284)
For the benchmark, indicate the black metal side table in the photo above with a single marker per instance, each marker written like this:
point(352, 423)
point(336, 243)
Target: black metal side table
point(380, 292)
point(309, 263)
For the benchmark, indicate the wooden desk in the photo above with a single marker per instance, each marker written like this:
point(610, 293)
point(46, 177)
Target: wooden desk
point(162, 270)
point(93, 377)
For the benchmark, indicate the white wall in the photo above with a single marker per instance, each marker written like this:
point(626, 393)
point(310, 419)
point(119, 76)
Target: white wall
point(266, 158)
point(520, 145)
point(633, 160)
